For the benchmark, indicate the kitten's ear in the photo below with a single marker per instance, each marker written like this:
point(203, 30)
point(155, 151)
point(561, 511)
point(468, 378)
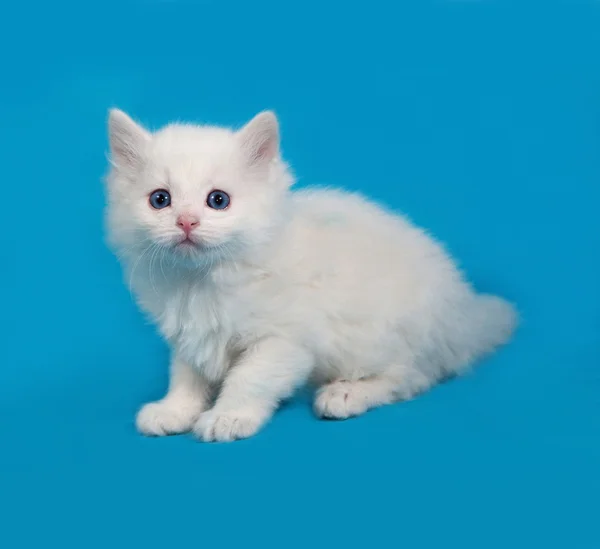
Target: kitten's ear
point(128, 141)
point(260, 139)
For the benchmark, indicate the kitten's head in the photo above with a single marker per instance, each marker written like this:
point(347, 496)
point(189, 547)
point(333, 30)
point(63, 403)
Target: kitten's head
point(193, 191)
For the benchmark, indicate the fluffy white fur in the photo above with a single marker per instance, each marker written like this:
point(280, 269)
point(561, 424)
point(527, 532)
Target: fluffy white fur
point(281, 287)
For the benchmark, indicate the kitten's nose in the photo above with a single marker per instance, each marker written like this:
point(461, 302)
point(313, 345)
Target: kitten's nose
point(187, 222)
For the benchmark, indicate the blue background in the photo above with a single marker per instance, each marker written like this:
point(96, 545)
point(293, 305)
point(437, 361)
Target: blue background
point(480, 119)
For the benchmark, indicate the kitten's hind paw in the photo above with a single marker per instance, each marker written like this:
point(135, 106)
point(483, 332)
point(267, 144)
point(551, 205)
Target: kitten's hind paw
point(340, 400)
point(343, 399)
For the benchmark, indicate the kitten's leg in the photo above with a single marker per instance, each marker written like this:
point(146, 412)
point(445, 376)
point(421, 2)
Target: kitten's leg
point(263, 376)
point(343, 399)
point(178, 410)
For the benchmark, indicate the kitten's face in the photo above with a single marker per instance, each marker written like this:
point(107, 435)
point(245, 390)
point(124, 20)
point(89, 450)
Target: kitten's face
point(194, 191)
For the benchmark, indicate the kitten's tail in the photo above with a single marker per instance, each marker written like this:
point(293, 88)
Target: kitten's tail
point(495, 319)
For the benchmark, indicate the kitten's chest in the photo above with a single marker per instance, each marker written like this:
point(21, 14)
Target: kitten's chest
point(198, 323)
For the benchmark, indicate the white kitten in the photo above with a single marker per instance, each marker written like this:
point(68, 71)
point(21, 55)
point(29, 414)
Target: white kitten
point(258, 289)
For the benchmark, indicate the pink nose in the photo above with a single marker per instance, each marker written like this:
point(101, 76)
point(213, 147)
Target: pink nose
point(187, 223)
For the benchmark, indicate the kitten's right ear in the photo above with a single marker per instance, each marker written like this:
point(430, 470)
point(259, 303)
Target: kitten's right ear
point(128, 141)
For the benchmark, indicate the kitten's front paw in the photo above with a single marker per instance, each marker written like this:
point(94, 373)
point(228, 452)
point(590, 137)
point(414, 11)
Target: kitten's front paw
point(166, 418)
point(220, 426)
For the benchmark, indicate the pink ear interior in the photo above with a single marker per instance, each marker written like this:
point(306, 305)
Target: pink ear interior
point(266, 147)
point(261, 138)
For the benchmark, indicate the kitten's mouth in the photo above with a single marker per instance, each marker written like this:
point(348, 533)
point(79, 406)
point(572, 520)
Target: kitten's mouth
point(191, 247)
point(187, 243)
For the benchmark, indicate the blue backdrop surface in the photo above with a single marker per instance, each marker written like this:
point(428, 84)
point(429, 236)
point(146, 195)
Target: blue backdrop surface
point(479, 119)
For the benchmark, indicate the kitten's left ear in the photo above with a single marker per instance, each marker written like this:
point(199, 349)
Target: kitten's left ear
point(260, 139)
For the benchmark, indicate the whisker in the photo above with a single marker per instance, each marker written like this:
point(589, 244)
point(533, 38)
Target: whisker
point(151, 269)
point(230, 254)
point(135, 266)
point(209, 269)
point(162, 269)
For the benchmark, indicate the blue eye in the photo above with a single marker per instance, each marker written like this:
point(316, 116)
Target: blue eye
point(218, 200)
point(160, 199)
